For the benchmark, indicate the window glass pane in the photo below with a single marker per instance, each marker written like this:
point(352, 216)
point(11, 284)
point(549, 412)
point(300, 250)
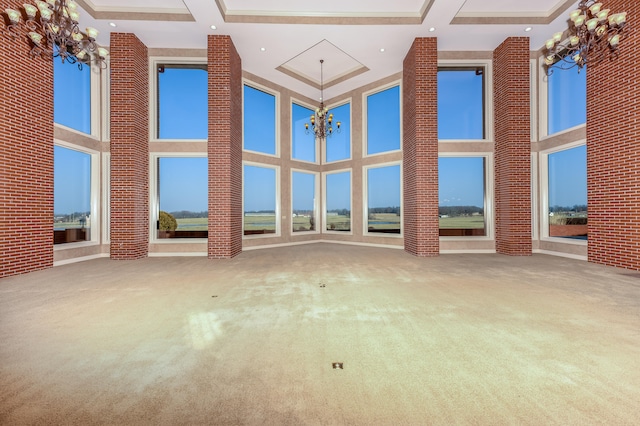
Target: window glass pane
point(259, 200)
point(338, 198)
point(72, 96)
point(182, 102)
point(461, 103)
point(383, 199)
point(461, 196)
point(71, 195)
point(338, 146)
point(183, 197)
point(303, 142)
point(567, 100)
point(259, 121)
point(568, 193)
point(304, 201)
point(383, 121)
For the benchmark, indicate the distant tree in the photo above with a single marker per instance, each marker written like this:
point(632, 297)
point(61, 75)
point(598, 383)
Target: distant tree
point(167, 222)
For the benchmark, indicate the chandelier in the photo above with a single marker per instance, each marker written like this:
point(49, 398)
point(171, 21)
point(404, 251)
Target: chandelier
point(52, 30)
point(594, 35)
point(322, 119)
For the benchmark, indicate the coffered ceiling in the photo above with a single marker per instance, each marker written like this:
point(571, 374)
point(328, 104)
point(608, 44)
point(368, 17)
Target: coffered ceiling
point(360, 41)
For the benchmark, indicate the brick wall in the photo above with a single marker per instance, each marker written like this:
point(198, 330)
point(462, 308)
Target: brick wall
point(224, 148)
point(512, 115)
point(420, 148)
point(613, 150)
point(129, 147)
point(26, 157)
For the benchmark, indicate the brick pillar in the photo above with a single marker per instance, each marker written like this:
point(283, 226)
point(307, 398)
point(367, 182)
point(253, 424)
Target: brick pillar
point(129, 147)
point(224, 148)
point(420, 148)
point(512, 115)
point(613, 150)
point(26, 157)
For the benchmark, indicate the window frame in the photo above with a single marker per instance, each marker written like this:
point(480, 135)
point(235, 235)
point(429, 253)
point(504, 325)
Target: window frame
point(154, 197)
point(278, 203)
point(95, 228)
point(487, 64)
point(365, 199)
point(324, 229)
point(488, 195)
point(365, 119)
point(543, 105)
point(323, 148)
point(316, 204)
point(544, 193)
point(106, 197)
point(276, 95)
point(153, 92)
point(317, 145)
point(99, 80)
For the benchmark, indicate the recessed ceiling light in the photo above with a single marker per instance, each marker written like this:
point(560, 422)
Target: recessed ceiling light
point(213, 27)
point(432, 29)
point(382, 50)
point(113, 24)
point(528, 29)
point(263, 49)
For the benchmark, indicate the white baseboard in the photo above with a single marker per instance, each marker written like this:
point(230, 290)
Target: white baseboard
point(561, 254)
point(80, 259)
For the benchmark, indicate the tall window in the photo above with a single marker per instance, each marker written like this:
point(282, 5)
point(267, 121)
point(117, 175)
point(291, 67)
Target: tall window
point(338, 201)
point(182, 101)
point(461, 112)
point(338, 145)
point(72, 96)
point(303, 142)
point(383, 199)
point(304, 202)
point(567, 192)
point(383, 121)
point(259, 121)
point(461, 183)
point(567, 99)
point(72, 219)
point(260, 200)
point(182, 197)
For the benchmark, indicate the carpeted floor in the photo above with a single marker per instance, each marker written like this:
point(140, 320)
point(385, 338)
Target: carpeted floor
point(458, 339)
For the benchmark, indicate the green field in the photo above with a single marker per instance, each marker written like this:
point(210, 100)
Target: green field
point(462, 222)
point(338, 223)
point(192, 224)
point(72, 225)
point(380, 221)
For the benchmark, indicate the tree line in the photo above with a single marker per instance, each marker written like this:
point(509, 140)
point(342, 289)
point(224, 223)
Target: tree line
point(453, 211)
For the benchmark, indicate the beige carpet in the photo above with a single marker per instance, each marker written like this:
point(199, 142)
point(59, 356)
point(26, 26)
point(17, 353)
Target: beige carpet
point(459, 339)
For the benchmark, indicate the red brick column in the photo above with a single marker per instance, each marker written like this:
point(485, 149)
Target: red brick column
point(26, 157)
point(613, 150)
point(420, 148)
point(129, 147)
point(224, 148)
point(512, 115)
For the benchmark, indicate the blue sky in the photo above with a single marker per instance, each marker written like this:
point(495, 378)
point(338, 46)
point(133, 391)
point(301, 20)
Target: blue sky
point(567, 177)
point(304, 188)
point(338, 190)
point(183, 103)
point(461, 181)
point(183, 115)
point(72, 170)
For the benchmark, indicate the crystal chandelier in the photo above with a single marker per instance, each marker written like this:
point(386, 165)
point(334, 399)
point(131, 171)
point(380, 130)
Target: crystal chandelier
point(594, 35)
point(52, 30)
point(322, 119)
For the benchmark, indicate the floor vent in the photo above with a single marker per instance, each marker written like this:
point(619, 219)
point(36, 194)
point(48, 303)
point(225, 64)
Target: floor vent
point(338, 365)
